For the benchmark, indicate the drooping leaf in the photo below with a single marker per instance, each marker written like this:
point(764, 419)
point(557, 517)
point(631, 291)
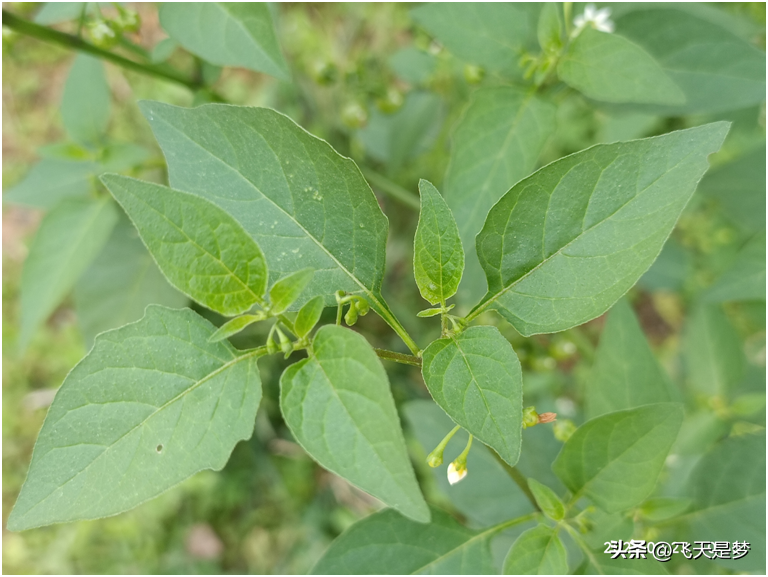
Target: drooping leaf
point(538, 551)
point(714, 359)
point(234, 326)
point(496, 143)
point(610, 68)
point(70, 237)
point(728, 490)
point(625, 374)
point(547, 500)
point(386, 543)
point(116, 289)
point(488, 34)
point(438, 257)
point(152, 403)
point(338, 405)
point(227, 34)
point(475, 377)
point(615, 459)
point(745, 279)
point(716, 69)
point(304, 204)
point(85, 104)
point(308, 316)
point(285, 291)
point(50, 181)
point(565, 243)
point(200, 248)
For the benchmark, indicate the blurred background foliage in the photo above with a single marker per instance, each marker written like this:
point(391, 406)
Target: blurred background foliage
point(382, 90)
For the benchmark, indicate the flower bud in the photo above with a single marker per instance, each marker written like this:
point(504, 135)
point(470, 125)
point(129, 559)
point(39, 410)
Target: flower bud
point(456, 472)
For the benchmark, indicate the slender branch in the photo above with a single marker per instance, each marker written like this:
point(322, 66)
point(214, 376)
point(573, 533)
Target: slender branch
point(518, 478)
point(512, 523)
point(390, 188)
point(584, 547)
point(398, 357)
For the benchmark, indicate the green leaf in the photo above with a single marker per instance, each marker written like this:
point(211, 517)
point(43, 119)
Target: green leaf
point(615, 459)
point(85, 103)
point(496, 143)
point(604, 565)
point(251, 41)
point(163, 50)
point(488, 34)
point(438, 257)
point(234, 326)
point(625, 374)
point(118, 286)
point(426, 313)
point(70, 237)
point(50, 181)
point(610, 68)
point(550, 27)
point(201, 249)
point(285, 291)
point(308, 316)
point(538, 551)
point(728, 489)
point(712, 352)
point(412, 65)
point(565, 243)
point(745, 279)
point(386, 543)
point(304, 204)
point(547, 500)
point(338, 405)
point(152, 403)
point(56, 12)
point(715, 68)
point(662, 508)
point(475, 377)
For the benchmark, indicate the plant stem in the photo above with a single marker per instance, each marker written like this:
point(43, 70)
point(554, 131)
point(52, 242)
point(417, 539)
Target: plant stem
point(512, 523)
point(390, 188)
point(518, 478)
point(587, 551)
point(76, 43)
point(398, 357)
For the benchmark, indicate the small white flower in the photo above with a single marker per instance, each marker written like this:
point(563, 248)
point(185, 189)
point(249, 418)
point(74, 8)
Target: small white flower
point(598, 19)
point(455, 475)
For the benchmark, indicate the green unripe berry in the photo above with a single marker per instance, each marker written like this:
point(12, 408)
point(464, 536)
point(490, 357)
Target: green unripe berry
point(102, 33)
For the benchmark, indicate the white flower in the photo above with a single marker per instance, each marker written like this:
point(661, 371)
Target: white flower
point(599, 19)
point(455, 475)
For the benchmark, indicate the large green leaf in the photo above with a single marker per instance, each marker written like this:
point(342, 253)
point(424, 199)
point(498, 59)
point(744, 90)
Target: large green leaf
point(610, 68)
point(70, 237)
point(438, 257)
point(201, 249)
point(745, 278)
point(86, 101)
point(565, 243)
point(338, 405)
point(227, 34)
point(496, 143)
point(625, 374)
point(715, 68)
point(55, 12)
point(475, 377)
point(304, 204)
point(615, 459)
point(728, 489)
point(386, 543)
point(489, 34)
point(714, 359)
point(152, 403)
point(51, 180)
point(119, 285)
point(538, 551)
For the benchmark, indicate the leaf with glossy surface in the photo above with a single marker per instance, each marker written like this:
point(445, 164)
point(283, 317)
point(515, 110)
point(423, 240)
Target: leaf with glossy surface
point(285, 291)
point(386, 543)
point(625, 374)
point(538, 551)
point(547, 500)
point(615, 459)
point(610, 68)
point(496, 143)
point(565, 243)
point(201, 249)
point(338, 405)
point(85, 103)
point(728, 489)
point(152, 403)
point(438, 257)
point(308, 316)
point(227, 34)
point(475, 377)
point(712, 351)
point(745, 279)
point(70, 237)
point(116, 289)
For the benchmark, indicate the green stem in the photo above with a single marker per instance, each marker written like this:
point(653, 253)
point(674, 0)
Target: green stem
point(398, 357)
point(584, 547)
point(511, 523)
point(76, 43)
point(518, 478)
point(390, 188)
